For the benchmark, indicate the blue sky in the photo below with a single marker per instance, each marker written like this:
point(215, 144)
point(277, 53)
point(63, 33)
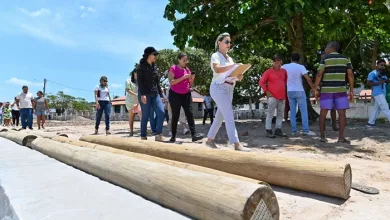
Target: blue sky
point(73, 43)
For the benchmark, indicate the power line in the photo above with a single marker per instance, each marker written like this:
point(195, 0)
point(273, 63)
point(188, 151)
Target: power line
point(118, 92)
point(84, 90)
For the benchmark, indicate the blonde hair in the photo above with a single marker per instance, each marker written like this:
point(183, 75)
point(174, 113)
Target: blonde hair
point(220, 38)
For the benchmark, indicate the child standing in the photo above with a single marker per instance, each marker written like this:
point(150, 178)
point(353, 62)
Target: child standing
point(7, 115)
point(1, 113)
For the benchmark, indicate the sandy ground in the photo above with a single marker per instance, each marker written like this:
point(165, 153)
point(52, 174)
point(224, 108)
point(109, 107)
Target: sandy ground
point(368, 154)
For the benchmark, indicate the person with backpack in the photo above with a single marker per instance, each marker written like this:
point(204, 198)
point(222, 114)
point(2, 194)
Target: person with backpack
point(103, 104)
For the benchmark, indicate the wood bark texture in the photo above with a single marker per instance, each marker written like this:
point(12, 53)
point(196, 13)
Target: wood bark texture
point(186, 166)
point(18, 137)
point(326, 178)
point(196, 194)
point(45, 134)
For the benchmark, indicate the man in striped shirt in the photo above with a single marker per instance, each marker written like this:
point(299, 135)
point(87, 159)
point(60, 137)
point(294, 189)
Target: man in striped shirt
point(331, 74)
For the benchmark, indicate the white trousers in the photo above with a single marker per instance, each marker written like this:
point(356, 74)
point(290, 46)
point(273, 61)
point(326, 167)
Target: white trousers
point(278, 105)
point(222, 94)
point(380, 105)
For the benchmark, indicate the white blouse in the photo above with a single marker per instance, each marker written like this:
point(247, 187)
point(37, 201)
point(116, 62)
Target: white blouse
point(219, 78)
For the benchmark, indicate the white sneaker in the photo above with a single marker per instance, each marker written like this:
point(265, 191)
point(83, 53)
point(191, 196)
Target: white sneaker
point(159, 138)
point(310, 133)
point(241, 148)
point(186, 131)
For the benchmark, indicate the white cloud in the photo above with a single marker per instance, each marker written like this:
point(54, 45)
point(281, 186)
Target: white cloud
point(37, 13)
point(47, 34)
point(116, 86)
point(23, 82)
point(91, 9)
point(86, 10)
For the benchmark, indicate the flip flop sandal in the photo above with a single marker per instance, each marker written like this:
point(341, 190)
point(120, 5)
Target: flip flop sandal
point(365, 189)
point(323, 140)
point(345, 141)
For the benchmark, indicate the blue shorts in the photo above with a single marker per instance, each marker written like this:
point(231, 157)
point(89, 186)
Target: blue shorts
point(334, 101)
point(40, 112)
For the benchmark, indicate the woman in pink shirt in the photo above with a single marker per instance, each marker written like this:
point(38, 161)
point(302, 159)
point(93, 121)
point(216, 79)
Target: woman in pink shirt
point(180, 78)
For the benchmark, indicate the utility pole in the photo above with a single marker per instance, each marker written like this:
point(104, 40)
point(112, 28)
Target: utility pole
point(44, 87)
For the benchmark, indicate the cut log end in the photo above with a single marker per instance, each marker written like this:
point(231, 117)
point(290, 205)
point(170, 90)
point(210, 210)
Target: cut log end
point(262, 205)
point(347, 180)
point(62, 135)
point(28, 140)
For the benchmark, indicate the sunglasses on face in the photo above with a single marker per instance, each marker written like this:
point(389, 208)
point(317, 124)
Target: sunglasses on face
point(105, 81)
point(227, 42)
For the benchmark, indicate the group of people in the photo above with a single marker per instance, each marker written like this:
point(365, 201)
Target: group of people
point(23, 107)
point(280, 83)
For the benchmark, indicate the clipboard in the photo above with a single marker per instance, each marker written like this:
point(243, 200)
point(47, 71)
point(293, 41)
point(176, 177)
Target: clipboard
point(241, 69)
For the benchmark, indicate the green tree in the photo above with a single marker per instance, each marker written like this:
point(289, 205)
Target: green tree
point(198, 63)
point(62, 102)
point(263, 28)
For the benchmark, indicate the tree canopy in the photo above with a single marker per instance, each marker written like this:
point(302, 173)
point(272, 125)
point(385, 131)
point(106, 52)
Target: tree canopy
point(62, 102)
point(263, 28)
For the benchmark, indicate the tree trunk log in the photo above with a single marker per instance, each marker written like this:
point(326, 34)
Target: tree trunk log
point(46, 134)
point(18, 137)
point(198, 195)
point(375, 53)
point(296, 37)
point(154, 159)
point(327, 178)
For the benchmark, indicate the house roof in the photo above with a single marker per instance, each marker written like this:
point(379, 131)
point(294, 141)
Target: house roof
point(365, 94)
point(122, 98)
point(118, 103)
point(196, 97)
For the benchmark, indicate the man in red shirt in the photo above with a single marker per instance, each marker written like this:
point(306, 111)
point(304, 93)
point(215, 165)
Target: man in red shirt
point(273, 83)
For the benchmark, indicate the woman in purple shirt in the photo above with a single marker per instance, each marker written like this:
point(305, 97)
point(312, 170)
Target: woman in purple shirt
point(180, 78)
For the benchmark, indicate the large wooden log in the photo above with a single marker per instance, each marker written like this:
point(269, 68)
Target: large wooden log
point(196, 194)
point(18, 137)
point(186, 166)
point(45, 134)
point(326, 178)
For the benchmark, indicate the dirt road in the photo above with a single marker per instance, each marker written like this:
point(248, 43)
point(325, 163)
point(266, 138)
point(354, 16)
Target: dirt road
point(368, 154)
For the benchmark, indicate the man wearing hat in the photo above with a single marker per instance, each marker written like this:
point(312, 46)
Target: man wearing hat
point(150, 94)
point(273, 82)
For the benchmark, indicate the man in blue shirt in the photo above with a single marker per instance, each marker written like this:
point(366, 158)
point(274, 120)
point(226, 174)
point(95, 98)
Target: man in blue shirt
point(377, 79)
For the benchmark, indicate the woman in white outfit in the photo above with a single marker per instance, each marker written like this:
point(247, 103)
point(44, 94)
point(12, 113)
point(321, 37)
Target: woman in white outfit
point(132, 104)
point(221, 90)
